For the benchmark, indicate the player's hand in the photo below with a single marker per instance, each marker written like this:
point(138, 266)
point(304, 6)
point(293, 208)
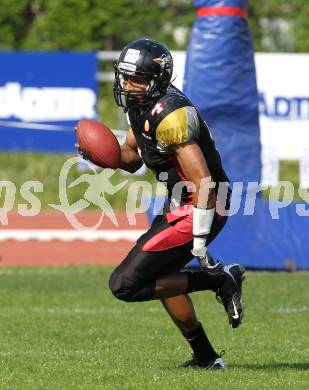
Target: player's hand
point(206, 261)
point(84, 155)
point(205, 258)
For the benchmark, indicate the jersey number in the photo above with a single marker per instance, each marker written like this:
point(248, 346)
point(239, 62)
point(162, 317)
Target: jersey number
point(158, 108)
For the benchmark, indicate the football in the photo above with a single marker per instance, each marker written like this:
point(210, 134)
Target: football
point(98, 143)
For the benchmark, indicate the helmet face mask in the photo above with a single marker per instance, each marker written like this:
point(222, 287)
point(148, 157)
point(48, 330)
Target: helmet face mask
point(146, 59)
point(126, 98)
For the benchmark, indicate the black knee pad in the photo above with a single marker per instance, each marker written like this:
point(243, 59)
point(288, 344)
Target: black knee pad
point(131, 290)
point(122, 288)
point(113, 280)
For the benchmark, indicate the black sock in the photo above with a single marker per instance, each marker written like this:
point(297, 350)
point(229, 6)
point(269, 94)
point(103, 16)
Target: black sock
point(200, 345)
point(200, 281)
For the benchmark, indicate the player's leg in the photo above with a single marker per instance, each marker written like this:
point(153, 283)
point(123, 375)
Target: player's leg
point(146, 275)
point(177, 283)
point(227, 285)
point(151, 270)
point(181, 311)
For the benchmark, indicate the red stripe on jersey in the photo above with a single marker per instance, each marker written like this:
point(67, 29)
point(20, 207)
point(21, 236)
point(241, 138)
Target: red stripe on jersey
point(221, 11)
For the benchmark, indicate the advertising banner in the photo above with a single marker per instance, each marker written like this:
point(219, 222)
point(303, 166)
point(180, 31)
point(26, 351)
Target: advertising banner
point(283, 86)
point(42, 96)
point(283, 93)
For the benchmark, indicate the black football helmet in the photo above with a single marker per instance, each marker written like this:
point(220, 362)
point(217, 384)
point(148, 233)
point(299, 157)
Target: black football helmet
point(144, 58)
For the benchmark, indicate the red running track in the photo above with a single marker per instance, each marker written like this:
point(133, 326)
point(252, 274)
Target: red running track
point(57, 252)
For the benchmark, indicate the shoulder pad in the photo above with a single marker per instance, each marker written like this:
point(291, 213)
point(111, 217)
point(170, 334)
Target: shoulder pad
point(179, 126)
point(166, 104)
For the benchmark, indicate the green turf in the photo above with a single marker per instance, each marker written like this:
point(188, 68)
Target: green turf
point(289, 171)
point(62, 329)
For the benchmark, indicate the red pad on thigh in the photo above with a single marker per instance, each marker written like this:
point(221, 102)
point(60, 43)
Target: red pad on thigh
point(175, 235)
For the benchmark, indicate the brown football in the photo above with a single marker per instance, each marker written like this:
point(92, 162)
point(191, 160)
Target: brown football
point(98, 143)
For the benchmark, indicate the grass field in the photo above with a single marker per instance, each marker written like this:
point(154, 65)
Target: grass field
point(62, 329)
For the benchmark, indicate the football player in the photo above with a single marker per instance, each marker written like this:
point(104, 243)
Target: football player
point(169, 136)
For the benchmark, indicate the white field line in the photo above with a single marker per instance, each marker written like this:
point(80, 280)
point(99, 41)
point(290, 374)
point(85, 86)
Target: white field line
point(291, 310)
point(70, 235)
point(16, 271)
point(13, 311)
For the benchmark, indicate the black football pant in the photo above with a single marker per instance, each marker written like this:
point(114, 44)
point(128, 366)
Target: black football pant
point(163, 249)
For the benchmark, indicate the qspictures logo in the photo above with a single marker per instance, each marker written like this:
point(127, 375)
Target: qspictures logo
point(99, 185)
point(99, 188)
point(140, 196)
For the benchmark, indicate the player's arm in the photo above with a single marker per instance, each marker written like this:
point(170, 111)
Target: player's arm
point(130, 159)
point(178, 131)
point(194, 166)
